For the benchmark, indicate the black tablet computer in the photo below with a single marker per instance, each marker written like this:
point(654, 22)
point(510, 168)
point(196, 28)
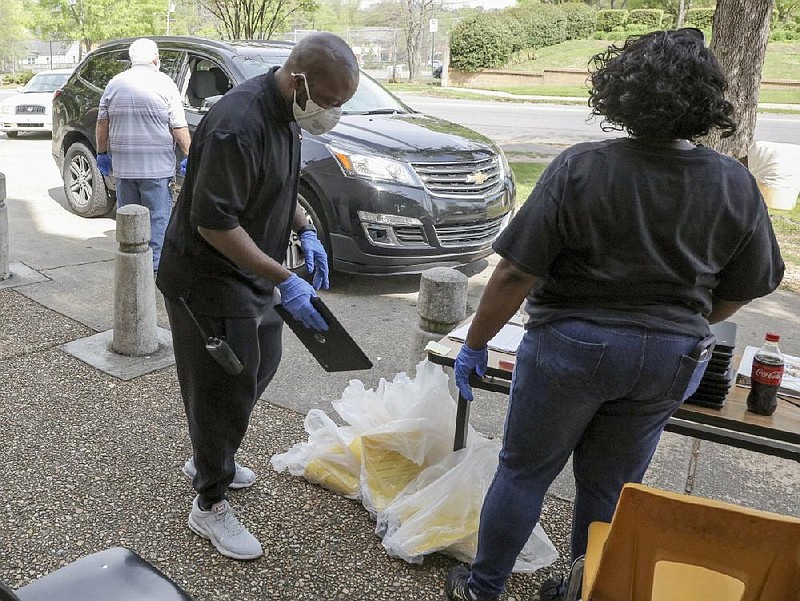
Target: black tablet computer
point(334, 350)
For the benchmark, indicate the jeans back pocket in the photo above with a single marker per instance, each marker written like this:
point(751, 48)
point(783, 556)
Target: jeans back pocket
point(687, 379)
point(569, 361)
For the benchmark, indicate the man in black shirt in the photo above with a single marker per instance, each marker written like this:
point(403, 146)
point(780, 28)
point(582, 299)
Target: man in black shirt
point(626, 250)
point(223, 257)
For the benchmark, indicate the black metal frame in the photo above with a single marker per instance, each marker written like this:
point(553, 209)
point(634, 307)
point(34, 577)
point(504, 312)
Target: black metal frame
point(752, 437)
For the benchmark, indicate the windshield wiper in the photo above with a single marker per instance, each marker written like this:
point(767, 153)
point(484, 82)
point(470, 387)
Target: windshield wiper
point(381, 112)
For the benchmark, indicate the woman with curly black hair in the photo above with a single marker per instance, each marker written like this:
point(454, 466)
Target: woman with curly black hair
point(626, 251)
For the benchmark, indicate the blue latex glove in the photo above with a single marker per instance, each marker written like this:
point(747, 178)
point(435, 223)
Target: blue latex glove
point(296, 295)
point(184, 163)
point(104, 163)
point(316, 259)
point(467, 361)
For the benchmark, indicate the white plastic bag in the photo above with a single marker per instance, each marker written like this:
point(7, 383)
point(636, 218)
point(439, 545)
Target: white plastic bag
point(396, 455)
point(403, 426)
point(326, 459)
point(440, 511)
point(776, 167)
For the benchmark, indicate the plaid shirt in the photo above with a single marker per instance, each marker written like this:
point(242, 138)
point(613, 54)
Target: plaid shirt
point(142, 105)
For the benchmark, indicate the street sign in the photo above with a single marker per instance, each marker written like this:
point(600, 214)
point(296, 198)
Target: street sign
point(433, 25)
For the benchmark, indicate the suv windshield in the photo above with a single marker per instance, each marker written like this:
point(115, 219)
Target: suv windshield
point(45, 83)
point(369, 99)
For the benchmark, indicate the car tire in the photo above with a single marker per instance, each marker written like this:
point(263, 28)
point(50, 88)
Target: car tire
point(83, 183)
point(294, 256)
point(12, 134)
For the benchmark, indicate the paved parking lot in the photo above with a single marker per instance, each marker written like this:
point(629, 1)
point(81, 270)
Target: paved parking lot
point(92, 462)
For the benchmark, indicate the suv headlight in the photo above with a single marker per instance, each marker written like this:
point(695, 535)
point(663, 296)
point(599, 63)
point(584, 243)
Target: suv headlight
point(505, 168)
point(5, 109)
point(375, 167)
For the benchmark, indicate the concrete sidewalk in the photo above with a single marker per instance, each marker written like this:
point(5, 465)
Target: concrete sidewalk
point(91, 461)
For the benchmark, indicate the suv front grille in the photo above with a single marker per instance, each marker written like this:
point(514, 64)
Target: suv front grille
point(30, 109)
point(467, 179)
point(469, 233)
point(409, 234)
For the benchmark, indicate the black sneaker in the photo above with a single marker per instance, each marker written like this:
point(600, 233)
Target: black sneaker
point(457, 588)
point(562, 588)
point(552, 589)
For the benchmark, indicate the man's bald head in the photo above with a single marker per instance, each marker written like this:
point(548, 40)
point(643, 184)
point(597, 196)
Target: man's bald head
point(327, 64)
point(323, 55)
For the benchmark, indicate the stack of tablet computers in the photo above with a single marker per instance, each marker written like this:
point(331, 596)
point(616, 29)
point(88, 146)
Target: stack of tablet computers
point(720, 373)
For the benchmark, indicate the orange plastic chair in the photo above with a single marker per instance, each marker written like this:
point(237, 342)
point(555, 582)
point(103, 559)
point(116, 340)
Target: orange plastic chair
point(662, 546)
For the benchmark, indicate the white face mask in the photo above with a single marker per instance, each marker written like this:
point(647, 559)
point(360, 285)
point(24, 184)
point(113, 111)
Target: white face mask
point(314, 118)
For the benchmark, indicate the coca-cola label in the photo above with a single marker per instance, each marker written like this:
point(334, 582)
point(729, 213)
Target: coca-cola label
point(765, 373)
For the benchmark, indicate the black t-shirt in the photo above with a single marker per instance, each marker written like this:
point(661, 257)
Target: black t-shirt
point(243, 171)
point(621, 232)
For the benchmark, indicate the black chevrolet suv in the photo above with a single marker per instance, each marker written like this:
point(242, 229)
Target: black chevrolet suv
point(390, 190)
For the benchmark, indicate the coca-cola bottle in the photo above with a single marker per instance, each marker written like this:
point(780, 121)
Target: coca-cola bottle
point(766, 377)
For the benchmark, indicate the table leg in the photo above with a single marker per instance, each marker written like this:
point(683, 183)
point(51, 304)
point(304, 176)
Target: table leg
point(692, 471)
point(462, 423)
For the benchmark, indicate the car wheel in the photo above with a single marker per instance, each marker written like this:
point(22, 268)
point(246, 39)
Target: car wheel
point(83, 184)
point(295, 262)
point(12, 134)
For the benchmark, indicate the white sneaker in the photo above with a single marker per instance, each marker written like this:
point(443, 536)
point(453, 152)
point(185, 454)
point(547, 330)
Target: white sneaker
point(244, 475)
point(223, 529)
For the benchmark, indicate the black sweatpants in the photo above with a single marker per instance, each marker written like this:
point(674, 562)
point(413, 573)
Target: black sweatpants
point(218, 405)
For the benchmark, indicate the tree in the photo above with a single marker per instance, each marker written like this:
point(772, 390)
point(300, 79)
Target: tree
point(734, 22)
point(11, 16)
point(91, 21)
point(785, 10)
point(255, 19)
point(415, 15)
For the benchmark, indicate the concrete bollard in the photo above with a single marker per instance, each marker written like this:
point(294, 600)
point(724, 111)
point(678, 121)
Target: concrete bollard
point(5, 270)
point(135, 324)
point(441, 306)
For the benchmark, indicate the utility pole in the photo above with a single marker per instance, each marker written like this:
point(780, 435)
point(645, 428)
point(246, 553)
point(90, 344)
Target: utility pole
point(433, 26)
point(170, 10)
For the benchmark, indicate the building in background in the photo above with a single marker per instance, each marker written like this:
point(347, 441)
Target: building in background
point(44, 55)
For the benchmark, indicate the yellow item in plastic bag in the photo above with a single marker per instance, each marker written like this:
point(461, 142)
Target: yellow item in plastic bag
point(386, 472)
point(333, 476)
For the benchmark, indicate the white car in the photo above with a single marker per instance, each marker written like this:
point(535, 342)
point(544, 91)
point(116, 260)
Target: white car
point(32, 108)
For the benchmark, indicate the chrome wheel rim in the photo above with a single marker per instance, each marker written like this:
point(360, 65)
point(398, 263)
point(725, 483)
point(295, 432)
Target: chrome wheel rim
point(294, 253)
point(80, 180)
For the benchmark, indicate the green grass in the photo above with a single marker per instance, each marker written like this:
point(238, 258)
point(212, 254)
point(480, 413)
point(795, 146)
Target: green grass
point(526, 173)
point(782, 96)
point(434, 89)
point(548, 90)
point(782, 61)
point(574, 54)
point(787, 230)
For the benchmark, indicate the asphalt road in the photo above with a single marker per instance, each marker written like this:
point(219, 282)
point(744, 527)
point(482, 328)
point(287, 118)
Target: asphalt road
point(529, 123)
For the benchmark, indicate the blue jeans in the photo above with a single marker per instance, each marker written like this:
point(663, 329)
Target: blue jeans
point(156, 195)
point(601, 393)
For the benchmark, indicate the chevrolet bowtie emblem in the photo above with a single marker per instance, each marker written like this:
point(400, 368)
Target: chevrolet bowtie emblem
point(477, 178)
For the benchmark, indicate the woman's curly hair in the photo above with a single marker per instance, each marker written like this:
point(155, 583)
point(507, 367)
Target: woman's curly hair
point(664, 84)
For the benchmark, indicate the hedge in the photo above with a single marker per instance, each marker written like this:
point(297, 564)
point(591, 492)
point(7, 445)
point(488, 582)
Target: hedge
point(651, 18)
point(20, 78)
point(480, 42)
point(581, 19)
point(611, 19)
point(699, 17)
point(545, 24)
